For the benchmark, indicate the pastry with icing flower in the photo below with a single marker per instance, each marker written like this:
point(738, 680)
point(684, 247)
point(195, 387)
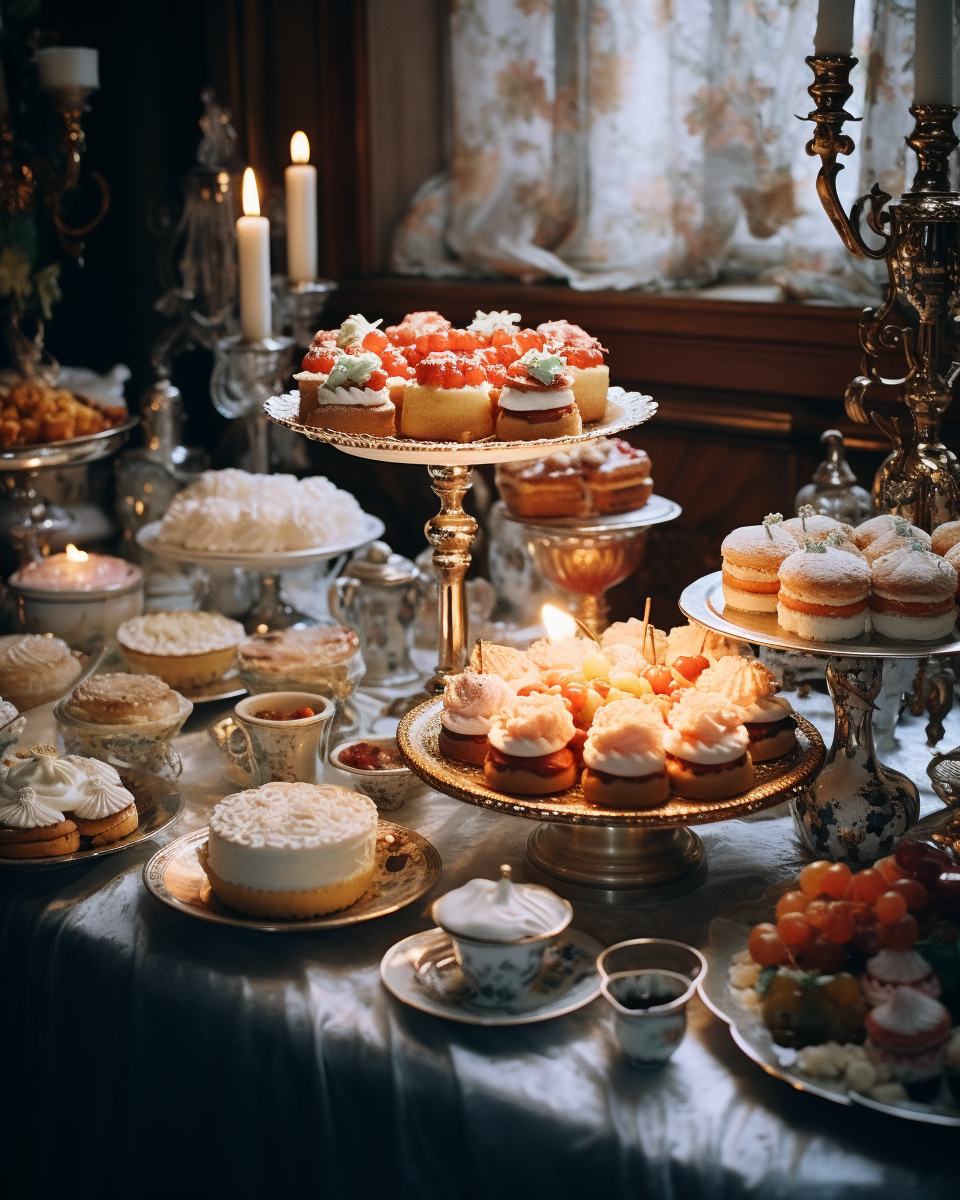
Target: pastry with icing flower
point(752, 556)
point(528, 752)
point(811, 526)
point(536, 400)
point(751, 687)
point(470, 704)
point(354, 397)
point(104, 810)
point(624, 758)
point(31, 828)
point(707, 747)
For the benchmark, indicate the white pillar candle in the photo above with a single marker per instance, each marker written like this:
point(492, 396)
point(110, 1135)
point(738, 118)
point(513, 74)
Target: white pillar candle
point(68, 67)
point(933, 53)
point(253, 250)
point(834, 27)
point(301, 187)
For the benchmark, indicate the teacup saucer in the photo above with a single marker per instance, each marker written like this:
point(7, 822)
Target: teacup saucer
point(422, 972)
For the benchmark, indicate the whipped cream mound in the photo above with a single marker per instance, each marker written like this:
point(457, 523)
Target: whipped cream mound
point(500, 910)
point(55, 781)
point(653, 646)
point(898, 966)
point(180, 633)
point(626, 738)
point(235, 511)
point(748, 685)
point(909, 1013)
point(28, 812)
point(472, 700)
point(531, 726)
point(102, 794)
point(293, 816)
point(556, 653)
point(705, 728)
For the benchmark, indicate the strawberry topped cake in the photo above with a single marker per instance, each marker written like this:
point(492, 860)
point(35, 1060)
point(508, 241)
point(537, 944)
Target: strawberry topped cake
point(354, 398)
point(536, 400)
point(450, 400)
point(583, 355)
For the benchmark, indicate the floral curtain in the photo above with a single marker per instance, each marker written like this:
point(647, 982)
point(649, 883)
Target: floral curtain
point(653, 144)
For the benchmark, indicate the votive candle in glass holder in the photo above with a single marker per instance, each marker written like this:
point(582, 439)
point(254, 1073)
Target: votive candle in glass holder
point(80, 597)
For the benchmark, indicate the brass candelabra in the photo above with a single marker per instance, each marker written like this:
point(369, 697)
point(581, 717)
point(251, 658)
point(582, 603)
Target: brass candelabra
point(919, 238)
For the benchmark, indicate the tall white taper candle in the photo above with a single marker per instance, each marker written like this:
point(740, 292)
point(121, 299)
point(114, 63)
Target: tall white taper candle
point(300, 180)
point(834, 27)
point(933, 53)
point(253, 250)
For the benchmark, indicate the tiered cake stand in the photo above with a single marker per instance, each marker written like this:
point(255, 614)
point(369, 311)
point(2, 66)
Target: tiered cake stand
point(452, 530)
point(857, 808)
point(590, 555)
point(269, 612)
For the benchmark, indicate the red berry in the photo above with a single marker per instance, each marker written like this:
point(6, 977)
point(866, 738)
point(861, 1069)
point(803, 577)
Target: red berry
point(889, 907)
point(794, 930)
point(835, 880)
point(691, 666)
point(816, 913)
point(899, 934)
point(791, 902)
point(811, 877)
point(866, 886)
point(659, 679)
point(915, 894)
point(767, 947)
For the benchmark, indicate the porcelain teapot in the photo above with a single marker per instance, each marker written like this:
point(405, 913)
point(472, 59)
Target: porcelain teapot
point(377, 596)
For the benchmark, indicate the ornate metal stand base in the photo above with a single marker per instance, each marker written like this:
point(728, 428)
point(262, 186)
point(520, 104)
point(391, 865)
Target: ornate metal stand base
point(270, 612)
point(856, 809)
point(616, 864)
point(450, 533)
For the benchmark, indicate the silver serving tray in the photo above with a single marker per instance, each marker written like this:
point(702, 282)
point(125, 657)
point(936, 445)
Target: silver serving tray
point(703, 602)
point(70, 452)
point(729, 934)
point(656, 511)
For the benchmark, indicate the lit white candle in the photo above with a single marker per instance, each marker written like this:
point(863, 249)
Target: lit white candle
point(300, 180)
point(253, 250)
point(834, 27)
point(68, 67)
point(933, 53)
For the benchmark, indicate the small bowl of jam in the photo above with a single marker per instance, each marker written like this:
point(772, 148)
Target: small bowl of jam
point(376, 768)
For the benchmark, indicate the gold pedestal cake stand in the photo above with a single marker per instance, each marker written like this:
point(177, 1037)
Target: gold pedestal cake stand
point(590, 555)
point(857, 808)
point(603, 855)
point(452, 530)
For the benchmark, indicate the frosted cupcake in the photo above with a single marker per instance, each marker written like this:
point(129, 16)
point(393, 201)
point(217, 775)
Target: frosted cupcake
point(707, 748)
point(624, 758)
point(890, 969)
point(470, 704)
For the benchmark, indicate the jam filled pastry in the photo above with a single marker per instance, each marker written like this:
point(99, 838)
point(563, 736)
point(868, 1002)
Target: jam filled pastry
point(752, 556)
point(528, 752)
point(625, 766)
point(823, 594)
point(470, 704)
point(536, 400)
point(913, 595)
point(751, 687)
point(354, 397)
point(583, 355)
point(707, 748)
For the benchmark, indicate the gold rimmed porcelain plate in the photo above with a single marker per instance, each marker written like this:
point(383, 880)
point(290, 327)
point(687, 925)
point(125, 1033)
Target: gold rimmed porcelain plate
point(729, 935)
point(407, 867)
point(418, 739)
point(159, 803)
point(624, 411)
point(703, 602)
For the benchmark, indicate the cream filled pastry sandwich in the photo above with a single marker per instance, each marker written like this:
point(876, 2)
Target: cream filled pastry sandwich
point(752, 556)
point(470, 704)
point(913, 595)
point(625, 766)
point(536, 400)
point(811, 526)
point(707, 748)
point(291, 849)
point(751, 687)
point(945, 537)
point(33, 828)
point(103, 810)
point(823, 594)
point(528, 751)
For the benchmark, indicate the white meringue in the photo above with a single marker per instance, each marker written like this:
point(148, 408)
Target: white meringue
point(27, 812)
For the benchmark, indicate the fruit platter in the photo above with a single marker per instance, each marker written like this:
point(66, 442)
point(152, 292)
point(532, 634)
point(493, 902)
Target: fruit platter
point(848, 985)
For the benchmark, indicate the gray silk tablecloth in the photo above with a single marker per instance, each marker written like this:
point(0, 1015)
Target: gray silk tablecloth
point(149, 1054)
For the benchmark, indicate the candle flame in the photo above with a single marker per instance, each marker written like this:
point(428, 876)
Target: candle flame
point(75, 555)
point(300, 147)
point(558, 624)
point(251, 197)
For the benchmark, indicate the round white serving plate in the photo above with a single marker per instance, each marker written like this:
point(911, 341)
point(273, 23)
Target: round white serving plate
point(398, 970)
point(69, 452)
point(624, 411)
point(277, 560)
point(159, 804)
point(174, 875)
point(730, 934)
point(656, 511)
point(703, 602)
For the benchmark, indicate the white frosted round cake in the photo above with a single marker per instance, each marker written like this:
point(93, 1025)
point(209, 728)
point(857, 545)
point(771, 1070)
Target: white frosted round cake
point(291, 849)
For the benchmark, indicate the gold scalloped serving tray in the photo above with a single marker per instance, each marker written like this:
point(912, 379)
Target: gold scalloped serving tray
point(624, 411)
point(777, 780)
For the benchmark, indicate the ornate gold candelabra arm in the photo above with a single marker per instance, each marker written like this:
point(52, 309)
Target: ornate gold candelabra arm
point(830, 90)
